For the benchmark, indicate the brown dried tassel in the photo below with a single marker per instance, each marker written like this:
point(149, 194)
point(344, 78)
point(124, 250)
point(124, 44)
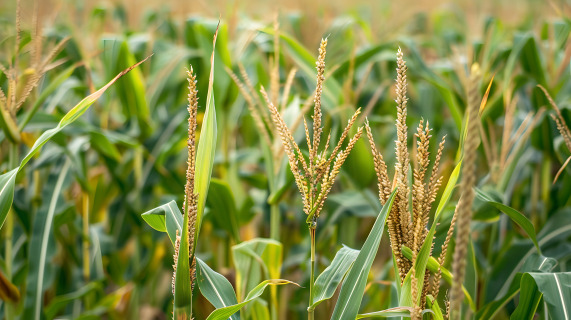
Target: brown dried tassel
point(465, 211)
point(402, 151)
point(380, 168)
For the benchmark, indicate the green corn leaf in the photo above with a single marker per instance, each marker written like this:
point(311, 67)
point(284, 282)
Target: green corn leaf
point(555, 289)
point(222, 207)
point(60, 302)
point(392, 312)
point(432, 303)
point(39, 250)
point(353, 287)
point(520, 43)
point(361, 58)
point(529, 298)
point(447, 194)
point(260, 310)
point(490, 310)
point(227, 312)
point(101, 143)
point(505, 268)
point(166, 218)
point(329, 279)
point(206, 148)
point(7, 184)
point(515, 215)
point(433, 266)
point(130, 89)
point(443, 88)
point(255, 260)
point(8, 179)
point(215, 287)
point(534, 263)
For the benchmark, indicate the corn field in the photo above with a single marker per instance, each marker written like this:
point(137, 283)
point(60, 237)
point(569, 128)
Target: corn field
point(289, 160)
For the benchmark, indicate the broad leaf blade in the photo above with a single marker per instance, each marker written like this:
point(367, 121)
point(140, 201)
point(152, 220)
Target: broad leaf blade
point(515, 215)
point(60, 302)
point(529, 298)
point(432, 303)
point(393, 312)
point(556, 290)
point(206, 148)
point(215, 287)
point(39, 247)
point(166, 218)
point(227, 312)
point(222, 207)
point(490, 310)
point(7, 183)
point(352, 290)
point(255, 260)
point(329, 279)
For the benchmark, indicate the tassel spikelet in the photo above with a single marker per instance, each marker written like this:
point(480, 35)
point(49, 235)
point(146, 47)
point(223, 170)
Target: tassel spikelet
point(316, 176)
point(380, 168)
point(442, 257)
point(402, 155)
point(468, 181)
point(408, 228)
point(190, 204)
point(254, 112)
point(191, 198)
point(320, 66)
point(559, 120)
point(175, 258)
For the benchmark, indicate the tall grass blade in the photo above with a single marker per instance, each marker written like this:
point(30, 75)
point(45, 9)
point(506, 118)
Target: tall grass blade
point(227, 312)
point(529, 298)
point(166, 218)
point(39, 250)
point(206, 147)
point(331, 277)
point(349, 301)
point(515, 215)
point(215, 287)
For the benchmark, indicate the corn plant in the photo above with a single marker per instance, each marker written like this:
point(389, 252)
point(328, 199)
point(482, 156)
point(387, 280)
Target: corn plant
point(76, 246)
point(316, 176)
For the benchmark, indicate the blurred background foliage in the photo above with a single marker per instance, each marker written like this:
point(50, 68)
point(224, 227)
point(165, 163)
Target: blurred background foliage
point(127, 153)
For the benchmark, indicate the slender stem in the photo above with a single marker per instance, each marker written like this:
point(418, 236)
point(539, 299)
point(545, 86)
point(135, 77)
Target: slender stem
point(275, 222)
point(85, 200)
point(310, 309)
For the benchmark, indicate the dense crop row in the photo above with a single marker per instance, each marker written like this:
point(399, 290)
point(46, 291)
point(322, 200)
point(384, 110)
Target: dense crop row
point(224, 169)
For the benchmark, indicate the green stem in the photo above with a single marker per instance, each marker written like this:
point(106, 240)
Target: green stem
point(86, 271)
point(9, 230)
point(275, 222)
point(310, 309)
